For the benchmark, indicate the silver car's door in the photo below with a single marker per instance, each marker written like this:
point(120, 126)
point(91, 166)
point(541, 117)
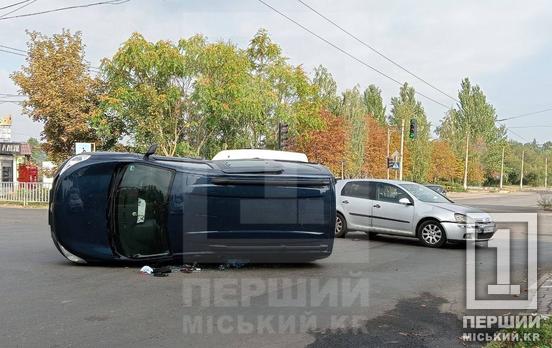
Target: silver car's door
point(388, 215)
point(356, 203)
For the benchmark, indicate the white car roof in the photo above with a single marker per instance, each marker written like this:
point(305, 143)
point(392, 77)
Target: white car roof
point(261, 154)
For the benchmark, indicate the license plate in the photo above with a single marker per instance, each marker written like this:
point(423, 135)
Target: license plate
point(488, 229)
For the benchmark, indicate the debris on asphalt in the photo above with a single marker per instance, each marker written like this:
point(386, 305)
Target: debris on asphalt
point(161, 271)
point(190, 269)
point(237, 264)
point(146, 270)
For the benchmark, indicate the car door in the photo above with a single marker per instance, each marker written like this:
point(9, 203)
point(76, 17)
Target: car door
point(388, 215)
point(356, 204)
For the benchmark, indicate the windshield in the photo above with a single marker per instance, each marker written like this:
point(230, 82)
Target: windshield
point(425, 194)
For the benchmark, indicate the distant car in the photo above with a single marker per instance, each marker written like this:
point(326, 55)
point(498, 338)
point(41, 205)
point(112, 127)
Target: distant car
point(437, 188)
point(407, 209)
point(136, 208)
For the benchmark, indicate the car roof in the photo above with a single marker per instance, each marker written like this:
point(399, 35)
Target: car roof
point(388, 181)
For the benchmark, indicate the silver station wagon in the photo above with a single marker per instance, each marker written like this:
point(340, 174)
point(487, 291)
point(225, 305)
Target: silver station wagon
point(407, 209)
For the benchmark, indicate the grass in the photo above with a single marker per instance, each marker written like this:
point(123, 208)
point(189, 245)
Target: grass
point(544, 341)
point(20, 205)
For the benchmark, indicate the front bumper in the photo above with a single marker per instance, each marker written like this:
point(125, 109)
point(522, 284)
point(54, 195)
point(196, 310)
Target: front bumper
point(474, 232)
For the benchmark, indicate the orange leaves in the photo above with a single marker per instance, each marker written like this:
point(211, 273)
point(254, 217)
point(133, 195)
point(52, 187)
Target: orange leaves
point(327, 145)
point(444, 163)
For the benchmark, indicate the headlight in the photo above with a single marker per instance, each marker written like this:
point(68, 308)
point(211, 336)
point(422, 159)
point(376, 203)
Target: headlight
point(74, 161)
point(462, 218)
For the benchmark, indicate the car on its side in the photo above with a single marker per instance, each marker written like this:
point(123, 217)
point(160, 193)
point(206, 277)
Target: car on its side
point(110, 207)
point(407, 209)
point(437, 188)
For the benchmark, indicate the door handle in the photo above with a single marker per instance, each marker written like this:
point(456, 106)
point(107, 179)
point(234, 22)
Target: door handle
point(377, 206)
point(345, 202)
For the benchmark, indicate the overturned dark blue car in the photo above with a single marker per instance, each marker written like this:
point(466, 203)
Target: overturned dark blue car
point(123, 207)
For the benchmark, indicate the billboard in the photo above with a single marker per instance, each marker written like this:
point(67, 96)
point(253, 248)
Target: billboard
point(5, 128)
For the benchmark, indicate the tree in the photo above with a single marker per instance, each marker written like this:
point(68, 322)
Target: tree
point(445, 165)
point(326, 89)
point(59, 90)
point(405, 107)
point(375, 150)
point(474, 118)
point(283, 91)
point(326, 145)
point(374, 103)
point(37, 154)
point(354, 111)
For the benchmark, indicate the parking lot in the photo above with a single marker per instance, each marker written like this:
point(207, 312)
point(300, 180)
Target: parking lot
point(415, 295)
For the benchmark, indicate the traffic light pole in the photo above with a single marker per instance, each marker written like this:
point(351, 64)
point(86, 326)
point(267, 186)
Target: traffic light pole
point(402, 148)
point(388, 140)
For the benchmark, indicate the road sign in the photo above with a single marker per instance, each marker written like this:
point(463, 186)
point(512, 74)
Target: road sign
point(84, 147)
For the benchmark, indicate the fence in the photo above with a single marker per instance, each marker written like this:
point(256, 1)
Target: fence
point(25, 192)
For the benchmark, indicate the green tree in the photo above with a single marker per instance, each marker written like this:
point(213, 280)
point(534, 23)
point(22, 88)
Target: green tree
point(374, 103)
point(37, 154)
point(283, 92)
point(59, 90)
point(326, 89)
point(354, 111)
point(405, 107)
point(475, 118)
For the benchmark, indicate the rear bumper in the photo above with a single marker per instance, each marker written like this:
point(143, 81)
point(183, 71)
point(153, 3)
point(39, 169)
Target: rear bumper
point(473, 232)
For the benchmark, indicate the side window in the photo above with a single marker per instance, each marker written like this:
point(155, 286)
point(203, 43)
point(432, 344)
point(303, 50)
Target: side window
point(389, 193)
point(358, 189)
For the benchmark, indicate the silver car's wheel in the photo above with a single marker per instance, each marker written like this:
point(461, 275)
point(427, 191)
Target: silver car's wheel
point(432, 234)
point(340, 226)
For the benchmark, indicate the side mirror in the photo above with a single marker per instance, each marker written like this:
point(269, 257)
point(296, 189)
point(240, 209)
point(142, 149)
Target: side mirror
point(151, 151)
point(405, 201)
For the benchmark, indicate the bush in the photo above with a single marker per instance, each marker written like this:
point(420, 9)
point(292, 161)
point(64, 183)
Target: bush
point(545, 200)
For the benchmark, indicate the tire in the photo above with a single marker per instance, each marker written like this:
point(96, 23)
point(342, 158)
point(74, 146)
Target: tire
point(340, 226)
point(432, 234)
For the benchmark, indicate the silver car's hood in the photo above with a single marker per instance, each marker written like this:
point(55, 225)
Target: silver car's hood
point(457, 208)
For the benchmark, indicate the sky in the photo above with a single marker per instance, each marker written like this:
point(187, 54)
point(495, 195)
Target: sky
point(503, 46)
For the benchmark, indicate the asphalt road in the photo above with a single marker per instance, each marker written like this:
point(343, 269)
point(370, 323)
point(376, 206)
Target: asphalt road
point(383, 292)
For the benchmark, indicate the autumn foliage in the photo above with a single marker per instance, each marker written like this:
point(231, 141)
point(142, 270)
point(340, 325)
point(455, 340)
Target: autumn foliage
point(327, 145)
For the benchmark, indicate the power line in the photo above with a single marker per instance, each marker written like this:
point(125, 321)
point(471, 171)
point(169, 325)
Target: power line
point(111, 2)
point(16, 53)
point(12, 5)
point(14, 49)
point(526, 114)
point(17, 9)
point(91, 68)
point(517, 134)
point(373, 49)
point(541, 126)
point(347, 53)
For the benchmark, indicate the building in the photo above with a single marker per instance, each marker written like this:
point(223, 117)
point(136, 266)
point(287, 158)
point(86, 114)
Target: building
point(11, 155)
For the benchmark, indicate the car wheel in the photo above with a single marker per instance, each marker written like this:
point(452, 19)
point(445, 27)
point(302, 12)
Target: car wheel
point(432, 234)
point(340, 226)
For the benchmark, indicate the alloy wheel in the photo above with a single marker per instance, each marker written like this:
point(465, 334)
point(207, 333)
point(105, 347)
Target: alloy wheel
point(432, 234)
point(338, 225)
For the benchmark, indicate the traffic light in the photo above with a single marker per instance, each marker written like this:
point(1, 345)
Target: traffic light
point(413, 129)
point(283, 129)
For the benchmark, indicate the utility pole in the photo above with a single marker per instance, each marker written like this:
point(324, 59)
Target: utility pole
point(402, 148)
point(502, 169)
point(466, 161)
point(521, 176)
point(545, 172)
point(387, 161)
